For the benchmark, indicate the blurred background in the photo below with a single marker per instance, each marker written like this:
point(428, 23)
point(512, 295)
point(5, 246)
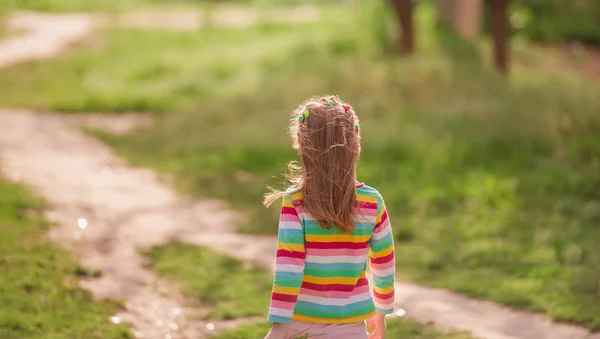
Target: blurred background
point(480, 121)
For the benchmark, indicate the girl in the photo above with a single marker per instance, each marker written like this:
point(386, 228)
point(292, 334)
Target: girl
point(331, 228)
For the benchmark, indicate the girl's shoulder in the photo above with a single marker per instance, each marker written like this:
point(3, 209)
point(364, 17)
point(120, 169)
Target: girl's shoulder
point(364, 189)
point(293, 193)
point(291, 188)
point(369, 194)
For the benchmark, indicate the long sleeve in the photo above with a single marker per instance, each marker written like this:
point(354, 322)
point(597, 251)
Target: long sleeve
point(381, 264)
point(290, 262)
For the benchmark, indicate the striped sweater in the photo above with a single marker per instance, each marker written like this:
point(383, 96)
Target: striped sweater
point(320, 275)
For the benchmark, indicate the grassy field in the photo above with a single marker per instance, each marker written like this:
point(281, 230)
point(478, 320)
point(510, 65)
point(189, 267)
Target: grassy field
point(92, 5)
point(231, 289)
point(182, 68)
point(67, 5)
point(234, 290)
point(398, 328)
point(492, 183)
point(121, 5)
point(39, 297)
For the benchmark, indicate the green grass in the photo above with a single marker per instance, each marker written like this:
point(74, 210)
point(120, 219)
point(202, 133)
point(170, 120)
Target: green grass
point(492, 183)
point(120, 5)
point(95, 5)
point(181, 69)
point(202, 274)
point(398, 328)
point(39, 297)
point(229, 287)
point(67, 5)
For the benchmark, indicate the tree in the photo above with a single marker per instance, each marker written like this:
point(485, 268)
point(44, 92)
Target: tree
point(464, 16)
point(404, 13)
point(499, 16)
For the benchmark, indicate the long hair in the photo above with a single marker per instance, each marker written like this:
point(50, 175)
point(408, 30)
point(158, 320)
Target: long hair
point(326, 135)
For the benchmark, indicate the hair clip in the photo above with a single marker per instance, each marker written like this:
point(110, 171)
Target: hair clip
point(330, 102)
point(347, 108)
point(304, 115)
point(357, 126)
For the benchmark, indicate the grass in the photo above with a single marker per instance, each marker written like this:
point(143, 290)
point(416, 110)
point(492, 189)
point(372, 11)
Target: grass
point(398, 328)
point(120, 5)
point(182, 69)
point(492, 183)
point(229, 287)
point(92, 5)
point(203, 273)
point(66, 5)
point(39, 297)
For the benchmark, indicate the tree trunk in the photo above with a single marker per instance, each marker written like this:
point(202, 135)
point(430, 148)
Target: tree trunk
point(468, 18)
point(499, 14)
point(404, 12)
point(464, 16)
point(445, 12)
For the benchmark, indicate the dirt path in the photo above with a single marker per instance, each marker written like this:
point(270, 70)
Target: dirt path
point(127, 210)
point(107, 212)
point(113, 123)
point(46, 35)
point(87, 215)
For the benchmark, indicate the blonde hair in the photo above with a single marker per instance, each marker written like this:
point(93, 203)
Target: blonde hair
point(326, 135)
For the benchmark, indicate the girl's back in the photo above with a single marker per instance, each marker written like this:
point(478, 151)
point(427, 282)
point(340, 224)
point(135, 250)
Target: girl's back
point(331, 230)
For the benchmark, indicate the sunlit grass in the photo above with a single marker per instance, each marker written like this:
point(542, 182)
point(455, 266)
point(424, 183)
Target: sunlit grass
point(67, 5)
point(229, 287)
point(121, 5)
point(397, 328)
point(39, 296)
point(179, 70)
point(234, 290)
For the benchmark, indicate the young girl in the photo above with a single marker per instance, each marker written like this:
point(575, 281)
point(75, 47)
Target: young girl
point(331, 228)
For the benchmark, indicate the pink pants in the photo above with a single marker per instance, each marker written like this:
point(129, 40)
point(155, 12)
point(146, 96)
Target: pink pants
point(298, 329)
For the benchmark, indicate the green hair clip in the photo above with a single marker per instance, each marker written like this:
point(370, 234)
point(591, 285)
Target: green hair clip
point(330, 102)
point(304, 115)
point(357, 126)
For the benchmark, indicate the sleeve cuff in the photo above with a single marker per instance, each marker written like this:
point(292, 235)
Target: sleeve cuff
point(386, 311)
point(279, 319)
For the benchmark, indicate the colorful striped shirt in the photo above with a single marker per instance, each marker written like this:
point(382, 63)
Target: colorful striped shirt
point(320, 275)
